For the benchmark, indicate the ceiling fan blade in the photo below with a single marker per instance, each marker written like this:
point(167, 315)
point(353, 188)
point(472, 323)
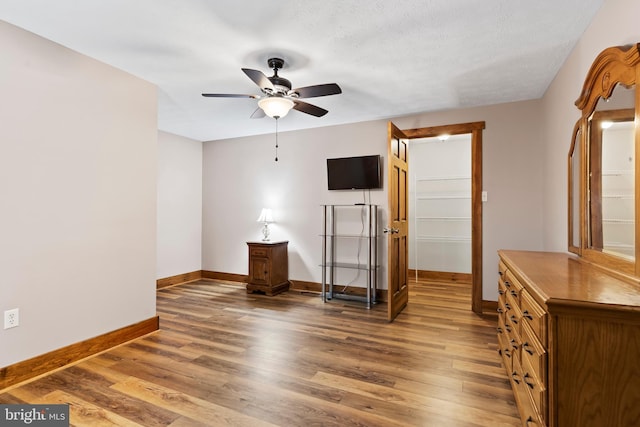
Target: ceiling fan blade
point(259, 78)
point(309, 108)
point(258, 114)
point(228, 95)
point(318, 90)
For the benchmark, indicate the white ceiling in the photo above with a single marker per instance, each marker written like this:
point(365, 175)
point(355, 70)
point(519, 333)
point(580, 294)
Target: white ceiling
point(391, 58)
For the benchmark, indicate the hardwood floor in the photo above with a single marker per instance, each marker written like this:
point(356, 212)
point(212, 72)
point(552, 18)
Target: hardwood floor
point(225, 358)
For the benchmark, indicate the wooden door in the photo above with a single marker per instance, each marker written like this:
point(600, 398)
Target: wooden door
point(397, 231)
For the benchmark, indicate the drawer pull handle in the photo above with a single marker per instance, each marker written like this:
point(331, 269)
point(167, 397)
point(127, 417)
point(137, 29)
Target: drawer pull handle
point(514, 293)
point(500, 291)
point(514, 344)
point(499, 330)
point(514, 319)
point(507, 328)
point(531, 386)
point(500, 273)
point(527, 315)
point(507, 284)
point(500, 310)
point(508, 307)
point(526, 348)
point(529, 420)
point(515, 377)
point(506, 352)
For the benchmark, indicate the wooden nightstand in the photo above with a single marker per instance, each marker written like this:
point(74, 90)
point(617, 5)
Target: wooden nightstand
point(268, 267)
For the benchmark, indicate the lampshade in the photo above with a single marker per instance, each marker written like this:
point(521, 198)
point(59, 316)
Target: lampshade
point(265, 215)
point(275, 106)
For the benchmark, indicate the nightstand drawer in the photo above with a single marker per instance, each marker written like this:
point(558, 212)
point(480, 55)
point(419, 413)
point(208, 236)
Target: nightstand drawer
point(259, 252)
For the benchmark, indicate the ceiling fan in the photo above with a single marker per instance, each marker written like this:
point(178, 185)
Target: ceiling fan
point(278, 97)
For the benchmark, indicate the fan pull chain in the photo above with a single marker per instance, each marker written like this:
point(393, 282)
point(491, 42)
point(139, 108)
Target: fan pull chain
point(277, 138)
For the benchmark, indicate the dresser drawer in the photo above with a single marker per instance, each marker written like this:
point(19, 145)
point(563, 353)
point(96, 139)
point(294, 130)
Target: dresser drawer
point(536, 390)
point(503, 345)
point(502, 289)
point(503, 307)
point(534, 356)
point(513, 315)
point(529, 412)
point(512, 283)
point(502, 269)
point(534, 316)
point(533, 359)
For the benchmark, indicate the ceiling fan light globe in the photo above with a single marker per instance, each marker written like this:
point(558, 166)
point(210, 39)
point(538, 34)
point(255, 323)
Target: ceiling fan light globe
point(275, 106)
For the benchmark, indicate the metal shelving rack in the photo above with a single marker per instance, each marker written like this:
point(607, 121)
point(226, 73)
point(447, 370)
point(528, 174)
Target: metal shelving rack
point(330, 241)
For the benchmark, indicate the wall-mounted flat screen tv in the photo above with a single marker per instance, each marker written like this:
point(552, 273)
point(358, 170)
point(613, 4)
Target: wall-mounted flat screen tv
point(354, 173)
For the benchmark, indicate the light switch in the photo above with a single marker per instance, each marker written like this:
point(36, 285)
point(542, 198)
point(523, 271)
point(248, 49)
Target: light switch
point(484, 196)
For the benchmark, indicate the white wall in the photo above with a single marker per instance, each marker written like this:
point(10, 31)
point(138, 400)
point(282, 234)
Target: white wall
point(240, 177)
point(616, 23)
point(179, 248)
point(78, 196)
point(512, 177)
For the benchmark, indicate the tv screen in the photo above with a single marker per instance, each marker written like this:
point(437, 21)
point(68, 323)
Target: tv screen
point(354, 173)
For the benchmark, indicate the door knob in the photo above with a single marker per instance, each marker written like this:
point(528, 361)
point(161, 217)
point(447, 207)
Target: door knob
point(390, 230)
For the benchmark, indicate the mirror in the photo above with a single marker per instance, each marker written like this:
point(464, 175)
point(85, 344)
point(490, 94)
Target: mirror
point(611, 210)
point(602, 167)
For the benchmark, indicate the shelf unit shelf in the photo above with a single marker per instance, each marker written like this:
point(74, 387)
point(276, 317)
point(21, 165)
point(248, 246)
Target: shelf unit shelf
point(331, 240)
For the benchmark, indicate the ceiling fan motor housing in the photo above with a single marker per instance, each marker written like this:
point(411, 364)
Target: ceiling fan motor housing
point(281, 84)
point(275, 63)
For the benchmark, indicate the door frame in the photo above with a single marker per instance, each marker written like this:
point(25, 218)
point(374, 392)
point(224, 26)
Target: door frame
point(475, 129)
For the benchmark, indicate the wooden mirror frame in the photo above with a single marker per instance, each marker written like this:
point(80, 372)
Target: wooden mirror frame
point(574, 218)
point(614, 66)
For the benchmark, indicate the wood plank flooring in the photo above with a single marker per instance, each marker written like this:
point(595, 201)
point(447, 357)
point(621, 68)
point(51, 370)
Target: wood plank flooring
point(225, 358)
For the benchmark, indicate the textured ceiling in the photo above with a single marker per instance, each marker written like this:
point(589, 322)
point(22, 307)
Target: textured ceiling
point(391, 58)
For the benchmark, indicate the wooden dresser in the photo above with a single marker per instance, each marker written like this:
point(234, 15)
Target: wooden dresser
point(569, 337)
point(268, 267)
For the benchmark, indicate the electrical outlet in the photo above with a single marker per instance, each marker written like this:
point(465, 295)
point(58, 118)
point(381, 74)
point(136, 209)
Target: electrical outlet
point(11, 318)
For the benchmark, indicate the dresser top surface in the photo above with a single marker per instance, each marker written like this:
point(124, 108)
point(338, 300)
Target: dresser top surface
point(558, 277)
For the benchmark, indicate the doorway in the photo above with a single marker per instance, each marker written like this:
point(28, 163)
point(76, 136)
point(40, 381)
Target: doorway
point(440, 209)
point(475, 130)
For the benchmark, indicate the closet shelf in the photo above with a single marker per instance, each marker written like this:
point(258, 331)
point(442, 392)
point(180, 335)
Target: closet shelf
point(621, 172)
point(444, 178)
point(443, 218)
point(619, 221)
point(618, 196)
point(445, 197)
point(443, 239)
